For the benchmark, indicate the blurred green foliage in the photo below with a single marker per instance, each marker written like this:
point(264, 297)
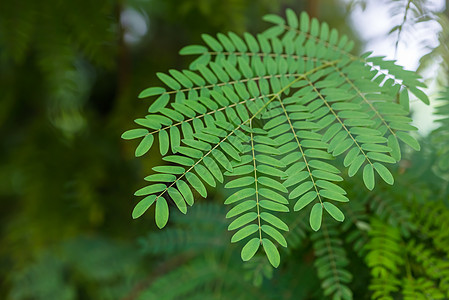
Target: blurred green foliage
point(69, 75)
point(70, 72)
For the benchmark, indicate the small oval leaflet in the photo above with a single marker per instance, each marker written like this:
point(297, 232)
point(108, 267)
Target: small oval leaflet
point(144, 145)
point(384, 173)
point(142, 206)
point(334, 211)
point(368, 176)
point(150, 189)
point(161, 213)
point(244, 232)
point(160, 102)
point(272, 252)
point(152, 91)
point(134, 133)
point(315, 216)
point(250, 249)
point(170, 82)
point(193, 49)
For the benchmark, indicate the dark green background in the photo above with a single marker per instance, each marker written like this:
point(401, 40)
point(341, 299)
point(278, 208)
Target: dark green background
point(68, 89)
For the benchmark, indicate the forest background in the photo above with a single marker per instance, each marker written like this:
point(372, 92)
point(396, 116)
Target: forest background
point(70, 73)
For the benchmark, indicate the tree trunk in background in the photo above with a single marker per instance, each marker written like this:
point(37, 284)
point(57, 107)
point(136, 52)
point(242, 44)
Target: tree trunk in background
point(123, 65)
point(122, 88)
point(446, 9)
point(312, 8)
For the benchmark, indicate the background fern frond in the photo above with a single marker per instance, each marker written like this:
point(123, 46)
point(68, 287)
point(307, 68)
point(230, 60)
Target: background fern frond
point(207, 220)
point(420, 289)
point(384, 259)
point(429, 219)
point(405, 11)
point(432, 267)
point(441, 134)
point(331, 262)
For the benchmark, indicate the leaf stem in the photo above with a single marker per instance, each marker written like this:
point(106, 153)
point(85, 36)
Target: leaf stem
point(255, 182)
point(364, 99)
point(235, 81)
point(400, 27)
point(209, 113)
point(300, 149)
point(339, 120)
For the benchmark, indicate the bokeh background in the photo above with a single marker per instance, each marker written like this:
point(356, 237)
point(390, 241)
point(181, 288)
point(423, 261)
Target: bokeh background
point(70, 73)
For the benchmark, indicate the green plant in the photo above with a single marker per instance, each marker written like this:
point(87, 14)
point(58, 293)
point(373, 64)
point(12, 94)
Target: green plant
point(398, 252)
point(61, 271)
point(273, 111)
point(440, 136)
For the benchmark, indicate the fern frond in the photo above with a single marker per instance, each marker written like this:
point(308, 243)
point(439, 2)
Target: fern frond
point(432, 266)
point(440, 52)
point(420, 288)
point(183, 280)
point(177, 240)
point(64, 56)
point(384, 259)
point(268, 195)
point(208, 278)
point(406, 10)
point(392, 211)
point(111, 268)
point(440, 136)
point(273, 111)
point(330, 39)
point(430, 218)
point(331, 262)
point(28, 283)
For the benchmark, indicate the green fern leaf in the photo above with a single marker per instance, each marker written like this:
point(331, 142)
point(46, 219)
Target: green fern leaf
point(271, 113)
point(384, 259)
point(331, 261)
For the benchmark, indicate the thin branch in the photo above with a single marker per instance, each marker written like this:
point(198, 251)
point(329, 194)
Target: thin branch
point(300, 149)
point(255, 182)
point(339, 120)
point(354, 87)
point(400, 27)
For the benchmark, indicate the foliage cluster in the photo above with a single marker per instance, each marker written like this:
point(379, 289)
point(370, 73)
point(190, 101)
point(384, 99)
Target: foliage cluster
point(67, 83)
point(272, 112)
